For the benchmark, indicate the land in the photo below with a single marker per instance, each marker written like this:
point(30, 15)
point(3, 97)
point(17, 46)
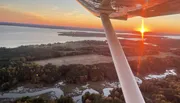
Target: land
point(88, 59)
point(75, 67)
point(46, 26)
point(136, 35)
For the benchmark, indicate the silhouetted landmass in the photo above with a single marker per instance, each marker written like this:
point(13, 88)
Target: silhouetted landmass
point(165, 42)
point(81, 34)
point(47, 26)
point(91, 34)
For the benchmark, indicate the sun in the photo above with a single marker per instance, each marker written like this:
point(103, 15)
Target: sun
point(142, 29)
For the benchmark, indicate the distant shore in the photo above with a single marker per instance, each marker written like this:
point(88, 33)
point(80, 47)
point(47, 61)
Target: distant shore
point(101, 34)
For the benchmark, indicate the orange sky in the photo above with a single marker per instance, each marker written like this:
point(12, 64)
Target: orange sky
point(79, 17)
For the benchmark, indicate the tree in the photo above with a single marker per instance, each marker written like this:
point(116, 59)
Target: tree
point(63, 99)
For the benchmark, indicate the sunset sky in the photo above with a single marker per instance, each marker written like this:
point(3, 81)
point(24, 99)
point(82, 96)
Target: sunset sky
point(71, 13)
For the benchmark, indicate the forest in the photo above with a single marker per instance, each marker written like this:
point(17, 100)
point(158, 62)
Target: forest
point(22, 71)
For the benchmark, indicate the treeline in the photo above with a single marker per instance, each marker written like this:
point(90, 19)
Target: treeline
point(49, 74)
point(40, 52)
point(62, 99)
point(153, 65)
point(154, 91)
point(164, 42)
point(176, 51)
point(22, 71)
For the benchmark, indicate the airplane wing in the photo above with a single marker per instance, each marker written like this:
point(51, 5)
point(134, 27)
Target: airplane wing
point(124, 9)
point(164, 7)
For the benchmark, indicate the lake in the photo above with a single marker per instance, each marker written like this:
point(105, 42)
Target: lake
point(14, 36)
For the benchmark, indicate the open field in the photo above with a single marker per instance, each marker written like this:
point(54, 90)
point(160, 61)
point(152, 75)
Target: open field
point(88, 59)
point(91, 59)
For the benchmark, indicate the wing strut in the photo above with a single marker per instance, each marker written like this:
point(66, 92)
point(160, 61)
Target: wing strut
point(127, 80)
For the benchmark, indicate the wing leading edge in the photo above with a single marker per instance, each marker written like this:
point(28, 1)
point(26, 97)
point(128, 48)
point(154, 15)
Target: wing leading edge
point(124, 9)
point(168, 7)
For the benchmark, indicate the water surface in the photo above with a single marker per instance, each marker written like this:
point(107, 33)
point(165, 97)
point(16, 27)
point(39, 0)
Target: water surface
point(13, 36)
